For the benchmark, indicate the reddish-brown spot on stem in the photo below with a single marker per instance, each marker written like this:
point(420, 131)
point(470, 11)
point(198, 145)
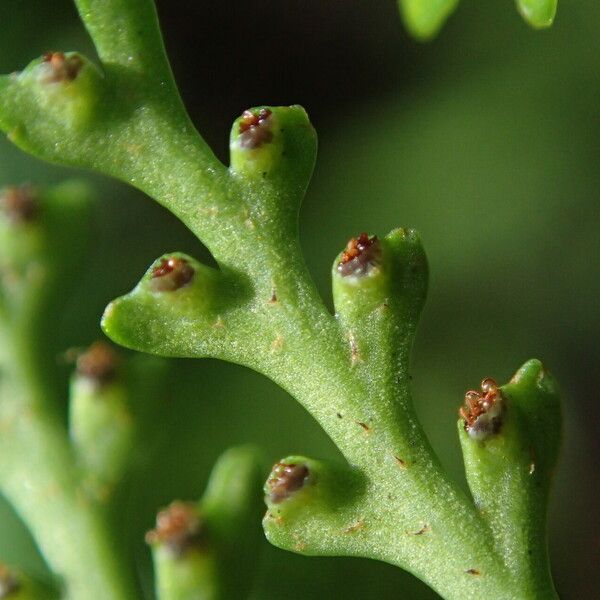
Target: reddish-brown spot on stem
point(364, 426)
point(19, 203)
point(473, 571)
point(61, 67)
point(360, 255)
point(255, 128)
point(401, 462)
point(99, 363)
point(178, 527)
point(285, 479)
point(171, 274)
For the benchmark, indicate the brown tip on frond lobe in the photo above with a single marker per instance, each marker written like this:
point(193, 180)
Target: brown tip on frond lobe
point(285, 480)
point(482, 410)
point(99, 363)
point(361, 254)
point(61, 68)
point(171, 274)
point(179, 527)
point(255, 128)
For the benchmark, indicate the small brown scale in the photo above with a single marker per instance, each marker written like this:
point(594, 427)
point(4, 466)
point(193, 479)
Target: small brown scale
point(19, 204)
point(255, 128)
point(61, 67)
point(482, 411)
point(178, 527)
point(286, 478)
point(361, 253)
point(99, 363)
point(171, 274)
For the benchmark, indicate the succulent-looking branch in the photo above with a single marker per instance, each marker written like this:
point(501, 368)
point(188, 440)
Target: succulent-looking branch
point(63, 482)
point(207, 550)
point(260, 308)
point(42, 237)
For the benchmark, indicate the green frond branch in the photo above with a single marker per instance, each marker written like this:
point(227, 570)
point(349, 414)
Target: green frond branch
point(209, 550)
point(509, 471)
point(101, 423)
point(115, 119)
point(126, 33)
point(42, 238)
point(260, 308)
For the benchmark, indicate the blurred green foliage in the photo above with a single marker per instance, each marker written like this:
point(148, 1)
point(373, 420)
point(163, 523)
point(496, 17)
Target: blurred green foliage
point(486, 141)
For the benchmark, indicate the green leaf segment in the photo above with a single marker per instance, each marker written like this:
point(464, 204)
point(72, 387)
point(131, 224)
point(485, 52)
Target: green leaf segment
point(208, 550)
point(42, 238)
point(66, 479)
point(392, 501)
point(424, 18)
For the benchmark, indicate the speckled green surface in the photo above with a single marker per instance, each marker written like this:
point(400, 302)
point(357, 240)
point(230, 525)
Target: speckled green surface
point(272, 319)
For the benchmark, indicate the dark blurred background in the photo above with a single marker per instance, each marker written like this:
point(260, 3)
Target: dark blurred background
point(486, 140)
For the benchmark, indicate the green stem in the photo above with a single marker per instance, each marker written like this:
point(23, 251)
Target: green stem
point(212, 553)
point(39, 476)
point(261, 309)
point(126, 32)
point(400, 499)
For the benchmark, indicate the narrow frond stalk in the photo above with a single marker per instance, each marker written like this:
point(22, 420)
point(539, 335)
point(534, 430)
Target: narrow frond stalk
point(126, 33)
point(209, 550)
point(509, 437)
point(124, 117)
